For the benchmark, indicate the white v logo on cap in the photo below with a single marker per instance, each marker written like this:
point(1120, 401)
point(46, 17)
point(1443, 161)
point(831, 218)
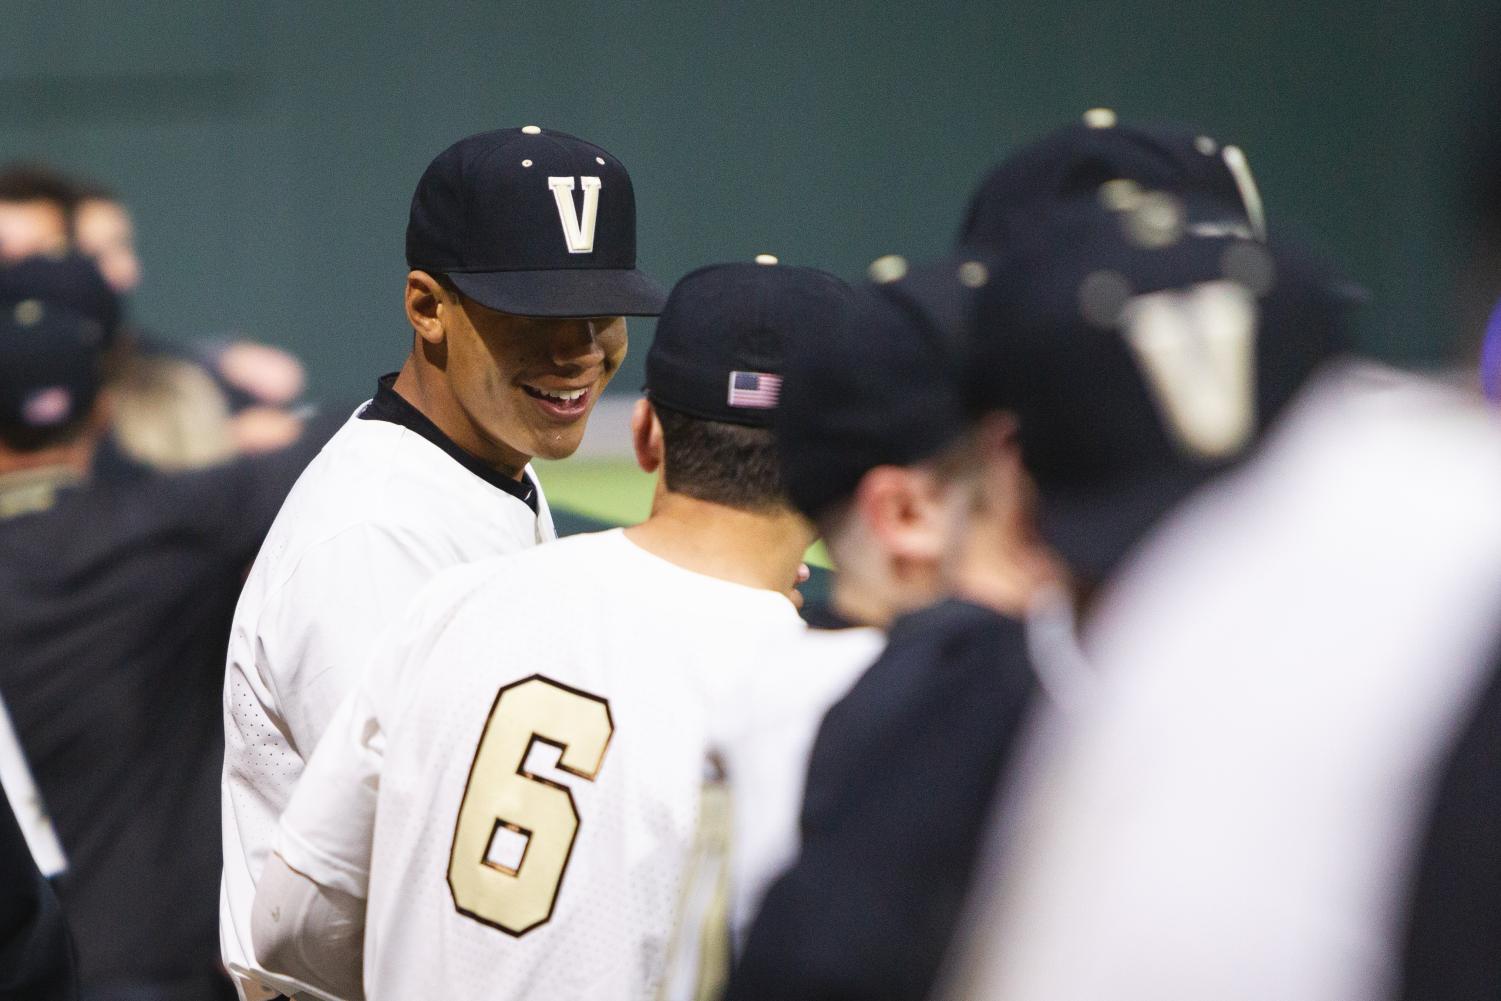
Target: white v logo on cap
point(577, 233)
point(1196, 347)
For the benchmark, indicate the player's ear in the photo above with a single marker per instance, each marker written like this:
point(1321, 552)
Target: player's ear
point(903, 509)
point(426, 302)
point(646, 436)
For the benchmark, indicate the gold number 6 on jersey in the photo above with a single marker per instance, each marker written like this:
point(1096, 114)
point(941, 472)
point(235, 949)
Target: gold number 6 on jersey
point(502, 793)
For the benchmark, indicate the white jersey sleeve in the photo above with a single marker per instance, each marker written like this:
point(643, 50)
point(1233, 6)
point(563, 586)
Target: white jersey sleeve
point(312, 936)
point(327, 828)
point(377, 515)
point(329, 636)
point(273, 720)
point(326, 831)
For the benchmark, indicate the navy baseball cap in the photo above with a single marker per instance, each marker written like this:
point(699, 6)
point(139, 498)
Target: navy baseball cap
point(1213, 181)
point(50, 349)
point(877, 390)
point(71, 280)
point(1141, 358)
point(532, 222)
point(720, 346)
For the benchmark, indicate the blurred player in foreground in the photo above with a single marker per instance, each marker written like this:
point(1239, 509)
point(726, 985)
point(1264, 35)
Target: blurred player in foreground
point(905, 765)
point(881, 788)
point(870, 436)
point(1287, 782)
point(522, 245)
point(876, 471)
point(1258, 802)
point(514, 784)
point(1191, 347)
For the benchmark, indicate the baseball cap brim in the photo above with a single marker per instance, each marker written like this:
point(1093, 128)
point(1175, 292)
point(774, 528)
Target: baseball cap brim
point(564, 292)
point(1093, 530)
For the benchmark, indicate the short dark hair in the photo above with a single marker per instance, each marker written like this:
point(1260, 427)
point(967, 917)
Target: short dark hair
point(36, 182)
point(92, 191)
point(729, 464)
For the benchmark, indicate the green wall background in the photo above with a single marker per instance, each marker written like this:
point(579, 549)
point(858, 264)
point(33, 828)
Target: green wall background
point(269, 149)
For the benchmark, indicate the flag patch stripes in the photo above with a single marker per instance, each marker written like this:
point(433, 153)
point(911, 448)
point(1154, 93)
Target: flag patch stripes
point(757, 390)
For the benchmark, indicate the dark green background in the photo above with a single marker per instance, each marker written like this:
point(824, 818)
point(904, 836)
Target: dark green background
point(269, 149)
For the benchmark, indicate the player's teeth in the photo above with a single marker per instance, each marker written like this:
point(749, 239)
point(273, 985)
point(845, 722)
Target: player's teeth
point(565, 395)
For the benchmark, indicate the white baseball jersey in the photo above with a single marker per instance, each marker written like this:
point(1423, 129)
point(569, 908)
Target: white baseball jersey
point(1234, 814)
point(516, 781)
point(387, 504)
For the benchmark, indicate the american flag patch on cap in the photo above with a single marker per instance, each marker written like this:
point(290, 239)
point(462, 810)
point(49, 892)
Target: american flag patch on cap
point(758, 390)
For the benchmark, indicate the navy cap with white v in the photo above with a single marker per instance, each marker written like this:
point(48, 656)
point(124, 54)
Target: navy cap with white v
point(532, 222)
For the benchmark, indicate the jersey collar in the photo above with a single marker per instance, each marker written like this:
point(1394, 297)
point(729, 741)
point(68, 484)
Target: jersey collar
point(30, 491)
point(390, 406)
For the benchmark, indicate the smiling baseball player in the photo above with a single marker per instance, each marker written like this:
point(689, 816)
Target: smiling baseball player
point(522, 249)
point(515, 783)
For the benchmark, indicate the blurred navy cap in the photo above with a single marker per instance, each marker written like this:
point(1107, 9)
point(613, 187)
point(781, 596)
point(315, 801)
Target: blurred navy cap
point(1212, 181)
point(51, 345)
point(719, 349)
point(532, 222)
point(1141, 356)
point(70, 280)
point(878, 390)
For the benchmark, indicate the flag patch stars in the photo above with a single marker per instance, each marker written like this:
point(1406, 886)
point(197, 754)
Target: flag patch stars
point(756, 390)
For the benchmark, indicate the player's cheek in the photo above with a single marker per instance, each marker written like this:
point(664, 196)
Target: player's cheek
point(616, 344)
point(614, 350)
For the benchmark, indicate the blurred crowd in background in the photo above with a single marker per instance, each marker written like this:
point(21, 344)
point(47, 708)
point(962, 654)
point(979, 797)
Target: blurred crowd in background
point(178, 403)
point(158, 463)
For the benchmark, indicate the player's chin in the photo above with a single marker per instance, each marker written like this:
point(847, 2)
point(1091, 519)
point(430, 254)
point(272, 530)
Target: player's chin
point(557, 443)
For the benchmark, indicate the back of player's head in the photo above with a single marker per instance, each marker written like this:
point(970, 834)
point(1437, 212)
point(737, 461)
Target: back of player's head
point(877, 390)
point(714, 373)
point(1140, 357)
point(51, 350)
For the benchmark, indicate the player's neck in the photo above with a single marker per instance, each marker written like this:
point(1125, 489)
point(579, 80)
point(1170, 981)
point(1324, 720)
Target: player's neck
point(862, 606)
point(424, 389)
point(878, 595)
point(761, 550)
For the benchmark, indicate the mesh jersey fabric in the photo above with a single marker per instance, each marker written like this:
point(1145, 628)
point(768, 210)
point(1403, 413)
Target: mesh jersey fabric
point(688, 668)
point(378, 513)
